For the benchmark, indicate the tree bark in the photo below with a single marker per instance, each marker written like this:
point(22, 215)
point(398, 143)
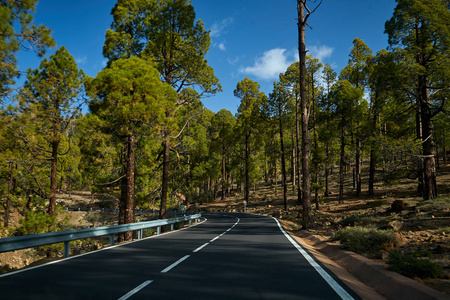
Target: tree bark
point(54, 163)
point(129, 201)
point(283, 163)
point(341, 166)
point(276, 178)
point(293, 162)
point(444, 148)
point(223, 171)
point(372, 169)
point(298, 150)
point(358, 166)
point(165, 179)
point(188, 182)
point(8, 197)
point(306, 196)
point(247, 166)
point(315, 144)
point(429, 167)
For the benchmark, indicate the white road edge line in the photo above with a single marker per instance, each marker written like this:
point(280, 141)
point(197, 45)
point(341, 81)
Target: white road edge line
point(201, 247)
point(135, 290)
point(175, 264)
point(95, 251)
point(330, 280)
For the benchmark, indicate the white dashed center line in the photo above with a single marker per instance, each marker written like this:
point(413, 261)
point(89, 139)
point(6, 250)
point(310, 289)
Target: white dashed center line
point(175, 264)
point(135, 290)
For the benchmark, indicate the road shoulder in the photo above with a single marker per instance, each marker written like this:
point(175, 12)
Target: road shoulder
point(364, 291)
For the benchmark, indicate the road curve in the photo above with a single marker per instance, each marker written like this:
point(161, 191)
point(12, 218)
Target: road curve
point(230, 256)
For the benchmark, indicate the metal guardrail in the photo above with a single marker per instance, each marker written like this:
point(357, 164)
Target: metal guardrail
point(35, 240)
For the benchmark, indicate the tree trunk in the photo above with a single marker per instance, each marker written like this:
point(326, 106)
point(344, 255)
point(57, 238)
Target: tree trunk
point(315, 144)
point(444, 148)
point(326, 169)
point(297, 148)
point(429, 167)
point(54, 163)
point(165, 180)
point(247, 166)
point(341, 166)
point(420, 169)
point(8, 197)
point(293, 162)
point(283, 163)
point(372, 169)
point(224, 175)
point(276, 178)
point(129, 200)
point(229, 181)
point(306, 199)
point(373, 154)
point(188, 182)
point(358, 167)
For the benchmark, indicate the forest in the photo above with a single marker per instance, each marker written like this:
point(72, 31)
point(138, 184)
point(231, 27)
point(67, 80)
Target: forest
point(139, 132)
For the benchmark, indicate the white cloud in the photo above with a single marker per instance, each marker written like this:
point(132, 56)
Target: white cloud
point(270, 64)
point(81, 60)
point(219, 27)
point(320, 52)
point(222, 46)
point(104, 62)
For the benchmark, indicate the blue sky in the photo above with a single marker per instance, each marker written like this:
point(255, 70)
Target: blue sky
point(257, 39)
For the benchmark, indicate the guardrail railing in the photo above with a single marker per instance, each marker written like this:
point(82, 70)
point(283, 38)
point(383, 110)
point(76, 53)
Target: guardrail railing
point(35, 240)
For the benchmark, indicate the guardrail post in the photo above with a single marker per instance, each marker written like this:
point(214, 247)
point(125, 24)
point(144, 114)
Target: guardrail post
point(171, 227)
point(111, 239)
point(158, 230)
point(140, 234)
point(66, 248)
point(190, 222)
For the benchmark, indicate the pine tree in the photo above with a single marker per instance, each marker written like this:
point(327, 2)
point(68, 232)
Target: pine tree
point(423, 31)
point(164, 31)
point(17, 32)
point(132, 102)
point(248, 117)
point(52, 95)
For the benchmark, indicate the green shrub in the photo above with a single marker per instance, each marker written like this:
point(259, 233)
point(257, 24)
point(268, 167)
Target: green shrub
point(36, 222)
point(365, 240)
point(436, 204)
point(93, 217)
point(411, 266)
point(352, 220)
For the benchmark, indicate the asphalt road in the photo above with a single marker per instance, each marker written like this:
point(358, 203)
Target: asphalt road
point(230, 256)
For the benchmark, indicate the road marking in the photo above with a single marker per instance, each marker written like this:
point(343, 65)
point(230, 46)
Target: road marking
point(214, 239)
point(330, 280)
point(175, 264)
point(201, 247)
point(135, 290)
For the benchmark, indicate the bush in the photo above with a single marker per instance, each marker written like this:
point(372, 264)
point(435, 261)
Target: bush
point(353, 220)
point(36, 222)
point(364, 240)
point(92, 217)
point(411, 266)
point(436, 204)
